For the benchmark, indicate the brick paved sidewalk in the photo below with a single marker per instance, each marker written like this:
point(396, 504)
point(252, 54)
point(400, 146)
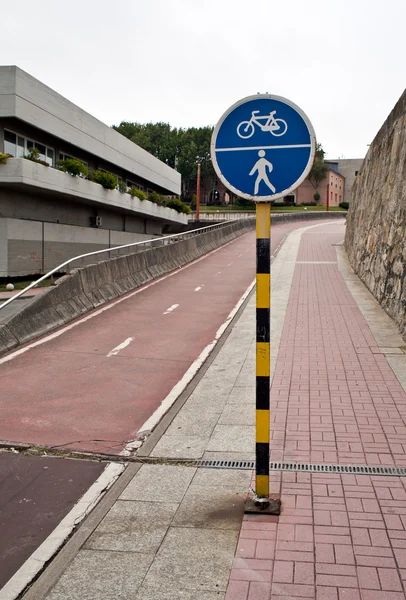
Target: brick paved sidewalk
point(334, 399)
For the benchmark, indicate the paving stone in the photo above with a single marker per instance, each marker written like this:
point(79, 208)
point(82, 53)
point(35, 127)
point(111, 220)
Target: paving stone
point(147, 592)
point(194, 559)
point(102, 575)
point(186, 446)
point(133, 526)
point(233, 438)
point(193, 423)
point(159, 483)
point(234, 414)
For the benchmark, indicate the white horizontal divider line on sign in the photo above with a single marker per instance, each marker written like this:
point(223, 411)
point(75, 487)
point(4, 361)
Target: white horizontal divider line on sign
point(171, 309)
point(120, 347)
point(280, 147)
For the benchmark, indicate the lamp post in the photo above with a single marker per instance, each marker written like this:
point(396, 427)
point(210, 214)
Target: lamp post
point(328, 198)
point(198, 193)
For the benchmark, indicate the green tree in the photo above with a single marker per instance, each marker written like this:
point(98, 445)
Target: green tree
point(319, 168)
point(181, 149)
point(157, 138)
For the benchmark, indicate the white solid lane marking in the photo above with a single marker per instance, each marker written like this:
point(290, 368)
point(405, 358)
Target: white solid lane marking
point(198, 288)
point(170, 309)
point(229, 264)
point(120, 347)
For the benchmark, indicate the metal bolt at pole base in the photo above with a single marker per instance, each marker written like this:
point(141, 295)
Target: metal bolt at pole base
point(261, 502)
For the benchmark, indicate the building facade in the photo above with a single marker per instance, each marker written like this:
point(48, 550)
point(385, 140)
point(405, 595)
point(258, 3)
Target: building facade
point(331, 188)
point(349, 168)
point(46, 215)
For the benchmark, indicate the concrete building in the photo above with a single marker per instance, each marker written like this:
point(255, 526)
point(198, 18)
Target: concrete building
point(349, 168)
point(333, 185)
point(46, 215)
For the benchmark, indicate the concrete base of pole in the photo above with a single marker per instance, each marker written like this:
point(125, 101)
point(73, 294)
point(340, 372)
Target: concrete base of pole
point(262, 506)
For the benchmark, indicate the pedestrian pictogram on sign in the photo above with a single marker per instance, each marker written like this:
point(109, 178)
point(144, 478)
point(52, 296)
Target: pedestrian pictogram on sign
point(260, 135)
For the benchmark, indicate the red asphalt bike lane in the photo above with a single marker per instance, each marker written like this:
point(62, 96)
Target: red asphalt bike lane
point(68, 393)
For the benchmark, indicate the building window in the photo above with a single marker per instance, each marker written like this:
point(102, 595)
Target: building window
point(336, 198)
point(46, 154)
point(63, 156)
point(136, 185)
point(18, 146)
point(13, 144)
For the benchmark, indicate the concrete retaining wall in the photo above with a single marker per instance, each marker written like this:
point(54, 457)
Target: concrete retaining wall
point(94, 285)
point(376, 225)
point(304, 216)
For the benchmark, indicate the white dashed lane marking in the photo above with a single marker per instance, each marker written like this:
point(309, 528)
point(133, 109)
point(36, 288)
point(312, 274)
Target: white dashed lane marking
point(120, 347)
point(170, 309)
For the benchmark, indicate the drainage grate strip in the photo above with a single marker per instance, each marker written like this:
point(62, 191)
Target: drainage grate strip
point(302, 467)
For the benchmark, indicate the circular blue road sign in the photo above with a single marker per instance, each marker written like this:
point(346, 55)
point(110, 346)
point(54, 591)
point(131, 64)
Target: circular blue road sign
point(263, 147)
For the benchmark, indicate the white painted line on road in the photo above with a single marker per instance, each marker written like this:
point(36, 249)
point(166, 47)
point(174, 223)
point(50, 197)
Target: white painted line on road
point(171, 309)
point(120, 347)
point(199, 288)
point(174, 394)
point(229, 264)
point(98, 312)
point(54, 541)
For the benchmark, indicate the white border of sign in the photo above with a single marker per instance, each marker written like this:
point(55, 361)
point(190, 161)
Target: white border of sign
point(297, 182)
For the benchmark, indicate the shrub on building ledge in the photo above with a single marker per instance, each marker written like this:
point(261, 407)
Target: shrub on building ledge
point(107, 180)
point(122, 187)
point(3, 158)
point(156, 198)
point(73, 167)
point(34, 156)
point(178, 205)
point(135, 192)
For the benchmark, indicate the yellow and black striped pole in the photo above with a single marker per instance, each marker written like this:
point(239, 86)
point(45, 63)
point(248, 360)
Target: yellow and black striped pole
point(263, 352)
point(261, 502)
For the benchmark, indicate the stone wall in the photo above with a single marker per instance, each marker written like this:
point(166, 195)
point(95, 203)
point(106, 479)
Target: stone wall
point(376, 225)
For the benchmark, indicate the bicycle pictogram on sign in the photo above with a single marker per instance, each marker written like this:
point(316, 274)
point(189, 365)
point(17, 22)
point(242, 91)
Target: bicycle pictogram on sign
point(276, 127)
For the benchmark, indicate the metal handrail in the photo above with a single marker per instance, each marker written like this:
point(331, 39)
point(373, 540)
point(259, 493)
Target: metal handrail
point(151, 241)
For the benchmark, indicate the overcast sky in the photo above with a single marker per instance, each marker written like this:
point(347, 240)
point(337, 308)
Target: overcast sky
point(185, 62)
